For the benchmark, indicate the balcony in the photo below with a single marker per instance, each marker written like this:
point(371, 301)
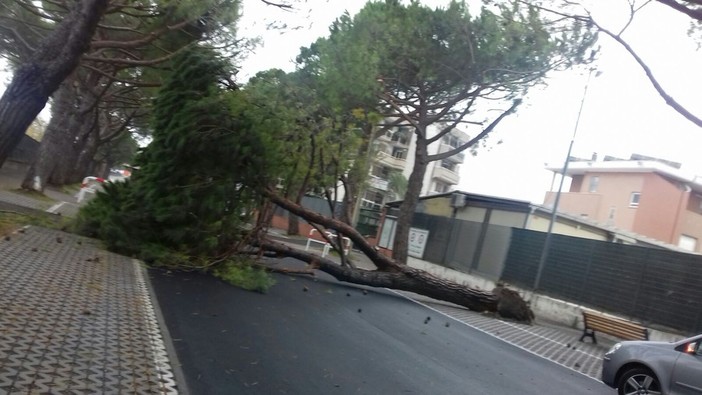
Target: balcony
point(370, 205)
point(390, 161)
point(395, 138)
point(457, 158)
point(378, 183)
point(445, 175)
point(385, 137)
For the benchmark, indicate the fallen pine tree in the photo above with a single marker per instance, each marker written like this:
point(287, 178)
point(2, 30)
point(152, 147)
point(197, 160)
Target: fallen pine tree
point(390, 274)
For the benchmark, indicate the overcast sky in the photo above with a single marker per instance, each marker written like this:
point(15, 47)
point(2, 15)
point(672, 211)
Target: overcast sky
point(622, 113)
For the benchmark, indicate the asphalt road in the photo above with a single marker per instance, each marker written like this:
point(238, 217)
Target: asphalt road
point(319, 336)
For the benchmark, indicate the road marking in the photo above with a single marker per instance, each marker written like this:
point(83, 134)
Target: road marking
point(502, 338)
point(53, 209)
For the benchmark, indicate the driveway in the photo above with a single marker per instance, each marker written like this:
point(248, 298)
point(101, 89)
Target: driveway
point(318, 336)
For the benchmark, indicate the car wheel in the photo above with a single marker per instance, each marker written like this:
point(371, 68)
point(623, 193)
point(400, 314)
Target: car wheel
point(638, 381)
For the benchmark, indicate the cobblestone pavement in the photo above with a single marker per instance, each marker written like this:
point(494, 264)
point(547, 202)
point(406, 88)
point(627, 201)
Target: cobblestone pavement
point(557, 344)
point(76, 319)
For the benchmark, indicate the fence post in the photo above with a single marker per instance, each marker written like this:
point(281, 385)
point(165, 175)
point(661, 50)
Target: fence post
point(481, 240)
point(586, 279)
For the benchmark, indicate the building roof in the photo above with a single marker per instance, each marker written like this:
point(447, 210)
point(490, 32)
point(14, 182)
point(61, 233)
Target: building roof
point(476, 200)
point(622, 234)
point(464, 198)
point(576, 168)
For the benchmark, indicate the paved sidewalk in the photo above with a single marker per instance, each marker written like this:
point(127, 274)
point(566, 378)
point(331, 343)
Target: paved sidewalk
point(76, 319)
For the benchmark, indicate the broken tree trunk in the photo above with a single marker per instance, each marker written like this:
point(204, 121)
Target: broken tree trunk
point(390, 274)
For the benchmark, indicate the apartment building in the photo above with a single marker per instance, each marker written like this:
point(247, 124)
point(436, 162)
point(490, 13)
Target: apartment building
point(393, 153)
point(644, 195)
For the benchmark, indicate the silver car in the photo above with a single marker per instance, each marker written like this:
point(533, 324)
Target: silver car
point(644, 367)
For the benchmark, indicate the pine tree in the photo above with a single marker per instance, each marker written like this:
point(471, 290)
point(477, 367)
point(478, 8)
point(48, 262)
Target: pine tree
point(196, 181)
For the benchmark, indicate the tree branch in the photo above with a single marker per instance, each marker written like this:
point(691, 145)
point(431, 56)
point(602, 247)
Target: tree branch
point(477, 138)
point(695, 13)
point(149, 37)
point(668, 99)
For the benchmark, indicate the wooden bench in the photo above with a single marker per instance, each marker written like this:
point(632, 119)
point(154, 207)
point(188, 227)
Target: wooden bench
point(618, 327)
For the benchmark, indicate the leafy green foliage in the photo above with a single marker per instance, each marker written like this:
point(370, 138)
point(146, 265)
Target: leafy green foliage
point(108, 218)
point(315, 145)
point(433, 68)
point(196, 186)
point(242, 273)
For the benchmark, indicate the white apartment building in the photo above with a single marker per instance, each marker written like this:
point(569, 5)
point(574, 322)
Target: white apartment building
point(394, 152)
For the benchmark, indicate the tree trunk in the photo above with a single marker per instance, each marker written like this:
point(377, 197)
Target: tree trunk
point(83, 165)
point(55, 143)
point(66, 171)
point(408, 205)
point(391, 274)
point(37, 79)
point(408, 279)
point(293, 225)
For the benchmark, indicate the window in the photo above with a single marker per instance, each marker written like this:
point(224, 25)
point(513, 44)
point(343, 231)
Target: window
point(381, 171)
point(451, 141)
point(448, 165)
point(594, 182)
point(399, 153)
point(401, 135)
point(634, 199)
point(387, 235)
point(441, 187)
point(373, 196)
point(687, 243)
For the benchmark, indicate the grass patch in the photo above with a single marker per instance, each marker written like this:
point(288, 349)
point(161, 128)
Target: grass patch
point(240, 272)
point(11, 221)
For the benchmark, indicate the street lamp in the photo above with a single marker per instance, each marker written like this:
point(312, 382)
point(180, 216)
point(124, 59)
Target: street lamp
point(549, 232)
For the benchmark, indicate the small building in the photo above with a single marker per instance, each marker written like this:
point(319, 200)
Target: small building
point(472, 232)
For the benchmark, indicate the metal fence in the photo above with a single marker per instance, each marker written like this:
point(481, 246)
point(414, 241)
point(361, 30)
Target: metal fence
point(466, 246)
point(653, 286)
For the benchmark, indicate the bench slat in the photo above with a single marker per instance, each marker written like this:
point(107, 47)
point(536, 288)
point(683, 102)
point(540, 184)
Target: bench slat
point(612, 326)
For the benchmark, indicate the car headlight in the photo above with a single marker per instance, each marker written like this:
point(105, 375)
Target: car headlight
point(613, 349)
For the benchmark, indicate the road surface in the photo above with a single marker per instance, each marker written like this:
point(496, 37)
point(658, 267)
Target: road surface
point(319, 336)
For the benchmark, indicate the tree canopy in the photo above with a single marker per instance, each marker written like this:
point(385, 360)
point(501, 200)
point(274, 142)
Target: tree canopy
point(120, 60)
point(578, 11)
point(195, 184)
point(432, 69)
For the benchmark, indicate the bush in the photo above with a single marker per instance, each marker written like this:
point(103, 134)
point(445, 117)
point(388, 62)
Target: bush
point(240, 272)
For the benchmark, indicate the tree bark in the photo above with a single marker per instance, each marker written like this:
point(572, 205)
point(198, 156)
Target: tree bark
point(409, 202)
point(84, 162)
point(56, 141)
point(407, 279)
point(81, 127)
point(37, 79)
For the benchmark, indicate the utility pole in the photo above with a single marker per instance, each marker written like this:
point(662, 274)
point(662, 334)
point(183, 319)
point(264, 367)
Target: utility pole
point(554, 212)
